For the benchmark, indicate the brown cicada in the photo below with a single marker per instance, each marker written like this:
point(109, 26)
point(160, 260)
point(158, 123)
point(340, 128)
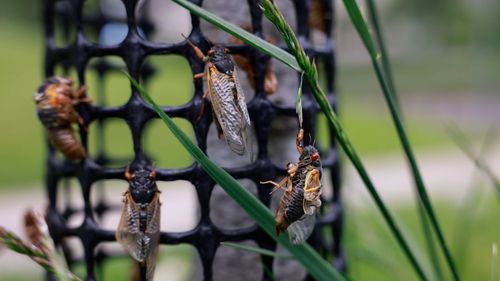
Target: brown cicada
point(226, 96)
point(270, 80)
point(55, 102)
point(139, 228)
point(301, 198)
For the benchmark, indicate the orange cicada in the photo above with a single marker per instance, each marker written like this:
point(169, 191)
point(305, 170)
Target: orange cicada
point(55, 102)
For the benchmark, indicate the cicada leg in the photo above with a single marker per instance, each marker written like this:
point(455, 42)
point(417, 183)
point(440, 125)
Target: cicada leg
point(291, 169)
point(200, 75)
point(312, 182)
point(80, 95)
point(281, 185)
point(202, 109)
point(197, 50)
point(312, 192)
point(298, 141)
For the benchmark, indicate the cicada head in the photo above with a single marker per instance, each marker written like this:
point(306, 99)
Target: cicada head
point(310, 156)
point(142, 185)
point(221, 59)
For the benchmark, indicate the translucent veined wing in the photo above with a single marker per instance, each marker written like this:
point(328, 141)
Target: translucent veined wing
point(141, 245)
point(225, 101)
point(153, 231)
point(241, 98)
point(301, 229)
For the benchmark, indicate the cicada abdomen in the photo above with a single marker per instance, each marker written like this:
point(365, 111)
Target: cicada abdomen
point(301, 197)
point(55, 101)
point(139, 228)
point(64, 139)
point(226, 96)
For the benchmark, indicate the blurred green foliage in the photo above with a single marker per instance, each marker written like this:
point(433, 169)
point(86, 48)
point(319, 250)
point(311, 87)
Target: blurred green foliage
point(373, 257)
point(455, 22)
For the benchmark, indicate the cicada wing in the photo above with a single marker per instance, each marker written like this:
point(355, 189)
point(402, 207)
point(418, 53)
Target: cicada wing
point(243, 108)
point(223, 96)
point(142, 246)
point(301, 229)
point(310, 207)
point(153, 233)
point(128, 233)
point(241, 98)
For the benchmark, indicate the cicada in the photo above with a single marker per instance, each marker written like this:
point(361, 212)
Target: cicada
point(226, 96)
point(302, 190)
point(139, 228)
point(270, 80)
point(55, 102)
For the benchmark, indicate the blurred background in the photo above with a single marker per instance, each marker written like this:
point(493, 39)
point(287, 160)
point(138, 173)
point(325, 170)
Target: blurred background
point(446, 63)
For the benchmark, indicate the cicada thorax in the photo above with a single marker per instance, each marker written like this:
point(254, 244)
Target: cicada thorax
point(139, 228)
point(55, 102)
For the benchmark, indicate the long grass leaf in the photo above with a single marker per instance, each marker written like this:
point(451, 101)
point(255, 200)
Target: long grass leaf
point(362, 28)
point(458, 137)
point(256, 250)
point(386, 64)
point(238, 32)
point(310, 259)
point(466, 215)
point(386, 67)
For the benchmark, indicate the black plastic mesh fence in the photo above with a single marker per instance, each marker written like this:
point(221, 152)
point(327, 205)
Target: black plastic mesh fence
point(66, 18)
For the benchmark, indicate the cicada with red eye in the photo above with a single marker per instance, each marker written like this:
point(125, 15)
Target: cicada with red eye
point(139, 228)
point(226, 96)
point(301, 197)
point(55, 101)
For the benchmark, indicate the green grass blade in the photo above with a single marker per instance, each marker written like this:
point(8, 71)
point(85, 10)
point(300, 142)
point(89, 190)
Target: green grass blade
point(386, 64)
point(238, 32)
point(316, 266)
point(386, 67)
point(269, 273)
point(429, 241)
point(468, 210)
point(256, 250)
point(360, 24)
point(462, 143)
point(362, 28)
point(298, 106)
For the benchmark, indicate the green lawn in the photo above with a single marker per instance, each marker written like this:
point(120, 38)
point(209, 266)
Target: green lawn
point(374, 255)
